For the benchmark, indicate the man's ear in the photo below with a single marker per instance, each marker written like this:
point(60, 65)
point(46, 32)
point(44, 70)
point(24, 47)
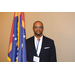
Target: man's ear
point(43, 28)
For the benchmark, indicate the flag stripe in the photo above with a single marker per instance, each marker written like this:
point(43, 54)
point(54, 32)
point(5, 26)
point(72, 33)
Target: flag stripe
point(18, 28)
point(10, 47)
point(16, 14)
point(10, 42)
point(22, 16)
point(23, 23)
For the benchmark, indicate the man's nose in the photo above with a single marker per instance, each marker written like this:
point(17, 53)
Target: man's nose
point(38, 28)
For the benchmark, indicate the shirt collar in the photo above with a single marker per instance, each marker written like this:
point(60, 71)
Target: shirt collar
point(36, 37)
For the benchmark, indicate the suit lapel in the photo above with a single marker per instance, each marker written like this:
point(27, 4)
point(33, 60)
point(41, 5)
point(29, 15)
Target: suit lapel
point(34, 46)
point(42, 46)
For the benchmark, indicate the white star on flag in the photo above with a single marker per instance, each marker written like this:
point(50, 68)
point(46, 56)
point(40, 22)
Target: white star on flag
point(15, 38)
point(22, 45)
point(24, 36)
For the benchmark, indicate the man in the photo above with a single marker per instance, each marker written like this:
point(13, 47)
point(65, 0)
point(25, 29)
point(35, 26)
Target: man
point(39, 47)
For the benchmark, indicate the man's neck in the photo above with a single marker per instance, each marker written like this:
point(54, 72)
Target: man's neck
point(38, 37)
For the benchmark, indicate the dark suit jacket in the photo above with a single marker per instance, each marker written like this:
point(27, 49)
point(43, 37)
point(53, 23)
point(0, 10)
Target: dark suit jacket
point(46, 55)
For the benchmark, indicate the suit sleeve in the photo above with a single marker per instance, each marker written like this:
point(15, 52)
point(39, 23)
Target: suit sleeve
point(53, 53)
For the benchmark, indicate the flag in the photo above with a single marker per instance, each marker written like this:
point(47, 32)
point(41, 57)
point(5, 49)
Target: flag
point(17, 44)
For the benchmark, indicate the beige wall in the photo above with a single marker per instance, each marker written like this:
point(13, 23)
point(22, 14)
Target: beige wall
point(59, 26)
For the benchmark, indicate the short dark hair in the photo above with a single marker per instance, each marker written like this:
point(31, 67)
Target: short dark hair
point(37, 21)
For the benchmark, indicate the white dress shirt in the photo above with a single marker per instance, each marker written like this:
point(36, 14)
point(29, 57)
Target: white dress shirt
point(39, 45)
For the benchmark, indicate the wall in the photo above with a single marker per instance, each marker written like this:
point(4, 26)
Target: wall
point(59, 26)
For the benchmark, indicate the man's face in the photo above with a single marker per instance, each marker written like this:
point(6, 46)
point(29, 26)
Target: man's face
point(38, 28)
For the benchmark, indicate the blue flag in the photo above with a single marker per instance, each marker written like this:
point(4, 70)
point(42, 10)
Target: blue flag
point(17, 44)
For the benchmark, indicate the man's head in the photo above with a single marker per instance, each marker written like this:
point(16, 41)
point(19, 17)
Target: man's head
point(38, 28)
